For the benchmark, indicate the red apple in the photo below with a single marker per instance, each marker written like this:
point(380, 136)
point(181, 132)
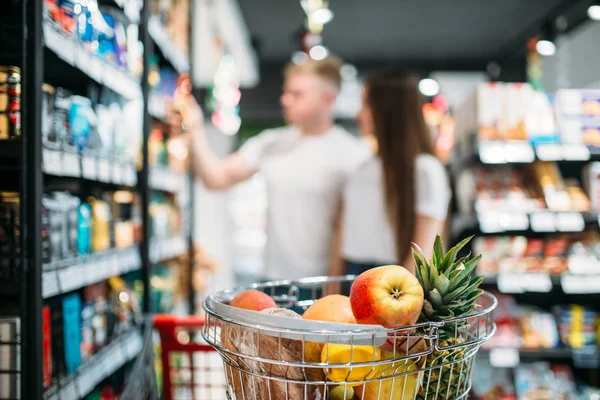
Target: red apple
point(253, 300)
point(389, 296)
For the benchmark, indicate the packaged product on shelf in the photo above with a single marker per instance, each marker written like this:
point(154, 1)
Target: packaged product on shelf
point(555, 256)
point(62, 13)
point(550, 182)
point(507, 325)
point(69, 206)
point(55, 226)
point(71, 314)
point(105, 130)
point(100, 225)
point(10, 102)
point(48, 135)
point(577, 325)
point(123, 305)
point(81, 119)
point(46, 347)
point(565, 384)
point(46, 236)
point(591, 180)
point(97, 318)
point(580, 102)
point(538, 329)
point(84, 229)
point(579, 200)
point(9, 357)
point(62, 106)
point(488, 111)
point(534, 381)
point(541, 123)
point(516, 102)
point(122, 203)
point(10, 246)
point(491, 383)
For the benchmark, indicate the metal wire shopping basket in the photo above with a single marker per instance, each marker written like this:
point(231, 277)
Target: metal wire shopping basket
point(272, 357)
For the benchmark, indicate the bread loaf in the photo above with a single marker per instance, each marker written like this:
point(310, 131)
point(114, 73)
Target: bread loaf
point(249, 379)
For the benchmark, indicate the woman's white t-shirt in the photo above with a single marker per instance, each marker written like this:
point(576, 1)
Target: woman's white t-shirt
point(367, 232)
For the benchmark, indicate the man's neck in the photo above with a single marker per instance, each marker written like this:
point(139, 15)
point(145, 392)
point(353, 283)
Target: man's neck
point(315, 128)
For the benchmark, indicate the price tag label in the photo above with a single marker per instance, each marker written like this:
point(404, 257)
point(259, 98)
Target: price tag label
point(88, 378)
point(103, 172)
point(586, 357)
point(491, 152)
point(52, 162)
point(543, 222)
point(514, 221)
point(96, 69)
point(539, 282)
point(549, 152)
point(88, 165)
point(510, 283)
point(70, 278)
point(576, 152)
point(519, 152)
point(504, 357)
point(63, 47)
point(71, 165)
point(117, 174)
point(570, 222)
point(50, 284)
point(580, 284)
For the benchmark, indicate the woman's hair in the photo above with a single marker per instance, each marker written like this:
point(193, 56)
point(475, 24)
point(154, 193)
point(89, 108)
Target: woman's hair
point(402, 134)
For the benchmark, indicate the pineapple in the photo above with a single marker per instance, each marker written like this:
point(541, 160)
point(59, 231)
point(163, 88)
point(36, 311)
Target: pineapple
point(450, 291)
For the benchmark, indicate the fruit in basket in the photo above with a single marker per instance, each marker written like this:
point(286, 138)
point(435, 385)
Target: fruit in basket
point(253, 300)
point(343, 354)
point(396, 387)
point(390, 296)
point(450, 292)
point(249, 379)
point(342, 392)
point(332, 308)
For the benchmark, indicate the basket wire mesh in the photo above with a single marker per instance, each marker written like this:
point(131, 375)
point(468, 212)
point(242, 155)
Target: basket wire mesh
point(295, 361)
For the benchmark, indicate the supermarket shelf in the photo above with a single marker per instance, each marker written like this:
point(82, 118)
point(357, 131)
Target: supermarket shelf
point(517, 222)
point(59, 278)
point(103, 364)
point(178, 59)
point(540, 282)
point(163, 249)
point(510, 357)
point(522, 152)
point(74, 165)
point(11, 149)
point(166, 180)
point(73, 53)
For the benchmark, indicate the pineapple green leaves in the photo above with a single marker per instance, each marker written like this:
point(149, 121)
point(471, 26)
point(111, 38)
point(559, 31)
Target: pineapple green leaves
point(450, 290)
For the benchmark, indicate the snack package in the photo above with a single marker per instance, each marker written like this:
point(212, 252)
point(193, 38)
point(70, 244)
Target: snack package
point(491, 383)
point(538, 329)
point(534, 382)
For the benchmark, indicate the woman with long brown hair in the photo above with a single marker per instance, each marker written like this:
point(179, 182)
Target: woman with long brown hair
point(401, 194)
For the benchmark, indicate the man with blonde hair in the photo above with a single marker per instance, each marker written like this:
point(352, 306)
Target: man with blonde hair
point(305, 165)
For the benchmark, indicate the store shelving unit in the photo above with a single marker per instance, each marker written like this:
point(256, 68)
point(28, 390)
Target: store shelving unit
point(37, 47)
point(502, 208)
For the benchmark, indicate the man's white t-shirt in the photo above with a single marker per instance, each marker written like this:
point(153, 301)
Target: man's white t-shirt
point(305, 177)
point(368, 236)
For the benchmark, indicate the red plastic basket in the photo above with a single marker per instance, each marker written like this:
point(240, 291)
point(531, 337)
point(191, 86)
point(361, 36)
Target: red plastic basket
point(192, 370)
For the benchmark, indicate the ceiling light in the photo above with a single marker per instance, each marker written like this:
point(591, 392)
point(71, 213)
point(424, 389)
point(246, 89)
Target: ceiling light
point(594, 12)
point(318, 52)
point(299, 57)
point(321, 16)
point(429, 87)
point(545, 47)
